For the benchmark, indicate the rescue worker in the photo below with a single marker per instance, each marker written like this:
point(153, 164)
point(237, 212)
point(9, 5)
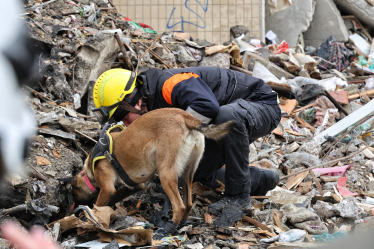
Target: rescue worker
point(214, 95)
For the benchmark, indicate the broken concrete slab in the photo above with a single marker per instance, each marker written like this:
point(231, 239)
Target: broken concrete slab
point(327, 21)
point(359, 8)
point(80, 125)
point(56, 82)
point(185, 58)
point(91, 60)
point(349, 209)
point(287, 24)
point(237, 31)
point(249, 60)
point(221, 60)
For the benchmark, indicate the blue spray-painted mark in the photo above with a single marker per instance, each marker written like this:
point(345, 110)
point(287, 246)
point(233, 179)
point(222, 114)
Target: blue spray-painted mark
point(182, 22)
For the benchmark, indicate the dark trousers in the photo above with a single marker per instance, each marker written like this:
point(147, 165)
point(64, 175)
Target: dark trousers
point(253, 120)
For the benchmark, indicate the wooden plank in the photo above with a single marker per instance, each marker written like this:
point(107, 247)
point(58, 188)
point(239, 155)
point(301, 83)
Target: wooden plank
point(358, 95)
point(295, 181)
point(277, 221)
point(259, 197)
point(57, 133)
point(239, 69)
point(302, 108)
point(141, 40)
point(316, 181)
point(306, 124)
point(257, 224)
point(364, 193)
point(264, 232)
point(294, 133)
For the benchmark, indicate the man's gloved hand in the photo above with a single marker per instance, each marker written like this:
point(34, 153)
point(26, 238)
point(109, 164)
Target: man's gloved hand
point(169, 228)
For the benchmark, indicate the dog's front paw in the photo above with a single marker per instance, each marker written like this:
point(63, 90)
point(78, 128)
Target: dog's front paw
point(169, 228)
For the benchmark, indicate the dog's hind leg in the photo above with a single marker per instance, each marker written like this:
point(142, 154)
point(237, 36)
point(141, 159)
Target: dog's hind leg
point(189, 172)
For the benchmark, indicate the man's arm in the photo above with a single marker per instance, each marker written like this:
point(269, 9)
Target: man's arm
point(189, 92)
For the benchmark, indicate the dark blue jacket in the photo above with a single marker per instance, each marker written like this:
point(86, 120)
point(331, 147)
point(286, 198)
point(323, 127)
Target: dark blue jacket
point(202, 89)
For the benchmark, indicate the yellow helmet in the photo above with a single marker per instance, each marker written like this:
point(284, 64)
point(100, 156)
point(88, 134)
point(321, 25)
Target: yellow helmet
point(112, 87)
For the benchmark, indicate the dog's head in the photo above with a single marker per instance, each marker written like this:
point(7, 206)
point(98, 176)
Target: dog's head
point(82, 195)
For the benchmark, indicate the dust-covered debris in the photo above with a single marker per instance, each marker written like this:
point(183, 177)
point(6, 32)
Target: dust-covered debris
point(326, 88)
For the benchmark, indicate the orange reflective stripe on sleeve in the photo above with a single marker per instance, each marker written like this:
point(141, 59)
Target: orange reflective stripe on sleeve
point(172, 81)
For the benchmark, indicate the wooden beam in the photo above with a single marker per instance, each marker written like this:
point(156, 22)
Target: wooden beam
point(277, 221)
point(295, 181)
point(256, 223)
point(317, 182)
point(305, 124)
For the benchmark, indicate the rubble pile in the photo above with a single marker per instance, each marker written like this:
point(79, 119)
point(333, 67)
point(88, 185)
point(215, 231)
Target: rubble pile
point(323, 147)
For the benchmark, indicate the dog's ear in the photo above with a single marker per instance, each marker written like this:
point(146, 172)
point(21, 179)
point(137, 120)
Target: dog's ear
point(67, 179)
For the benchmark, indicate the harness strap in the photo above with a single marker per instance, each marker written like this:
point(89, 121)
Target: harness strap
point(118, 168)
point(88, 183)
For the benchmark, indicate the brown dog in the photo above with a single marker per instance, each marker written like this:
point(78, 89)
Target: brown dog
point(169, 141)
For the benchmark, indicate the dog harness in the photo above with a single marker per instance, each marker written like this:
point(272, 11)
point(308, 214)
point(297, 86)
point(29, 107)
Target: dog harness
point(104, 149)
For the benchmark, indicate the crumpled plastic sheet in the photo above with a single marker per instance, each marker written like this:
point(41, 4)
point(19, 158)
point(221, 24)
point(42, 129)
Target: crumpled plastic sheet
point(329, 84)
point(343, 190)
point(261, 72)
point(325, 237)
point(293, 235)
point(174, 240)
point(335, 171)
point(369, 84)
point(323, 105)
point(283, 47)
point(89, 12)
point(196, 53)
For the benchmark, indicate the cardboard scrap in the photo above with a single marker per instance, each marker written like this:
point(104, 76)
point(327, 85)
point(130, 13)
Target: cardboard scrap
point(340, 96)
point(198, 189)
point(222, 49)
point(42, 161)
point(233, 49)
point(288, 105)
point(56, 154)
point(134, 236)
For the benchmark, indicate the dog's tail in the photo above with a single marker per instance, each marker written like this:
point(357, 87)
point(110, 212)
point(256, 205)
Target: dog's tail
point(215, 132)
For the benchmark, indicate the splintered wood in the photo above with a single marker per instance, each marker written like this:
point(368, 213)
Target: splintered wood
point(295, 181)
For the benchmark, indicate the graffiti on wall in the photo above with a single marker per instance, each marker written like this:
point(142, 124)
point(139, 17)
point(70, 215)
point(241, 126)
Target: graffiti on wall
point(200, 23)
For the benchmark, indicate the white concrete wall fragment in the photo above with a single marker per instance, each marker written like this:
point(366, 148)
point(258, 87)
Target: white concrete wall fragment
point(327, 21)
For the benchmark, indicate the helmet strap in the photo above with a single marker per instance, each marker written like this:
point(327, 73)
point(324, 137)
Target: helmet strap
point(126, 107)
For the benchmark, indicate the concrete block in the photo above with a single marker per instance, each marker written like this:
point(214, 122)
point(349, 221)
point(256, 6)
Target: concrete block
point(289, 23)
point(249, 60)
point(327, 21)
point(221, 60)
point(359, 8)
point(91, 60)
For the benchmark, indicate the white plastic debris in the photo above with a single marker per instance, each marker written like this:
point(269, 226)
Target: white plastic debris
point(261, 72)
point(77, 101)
